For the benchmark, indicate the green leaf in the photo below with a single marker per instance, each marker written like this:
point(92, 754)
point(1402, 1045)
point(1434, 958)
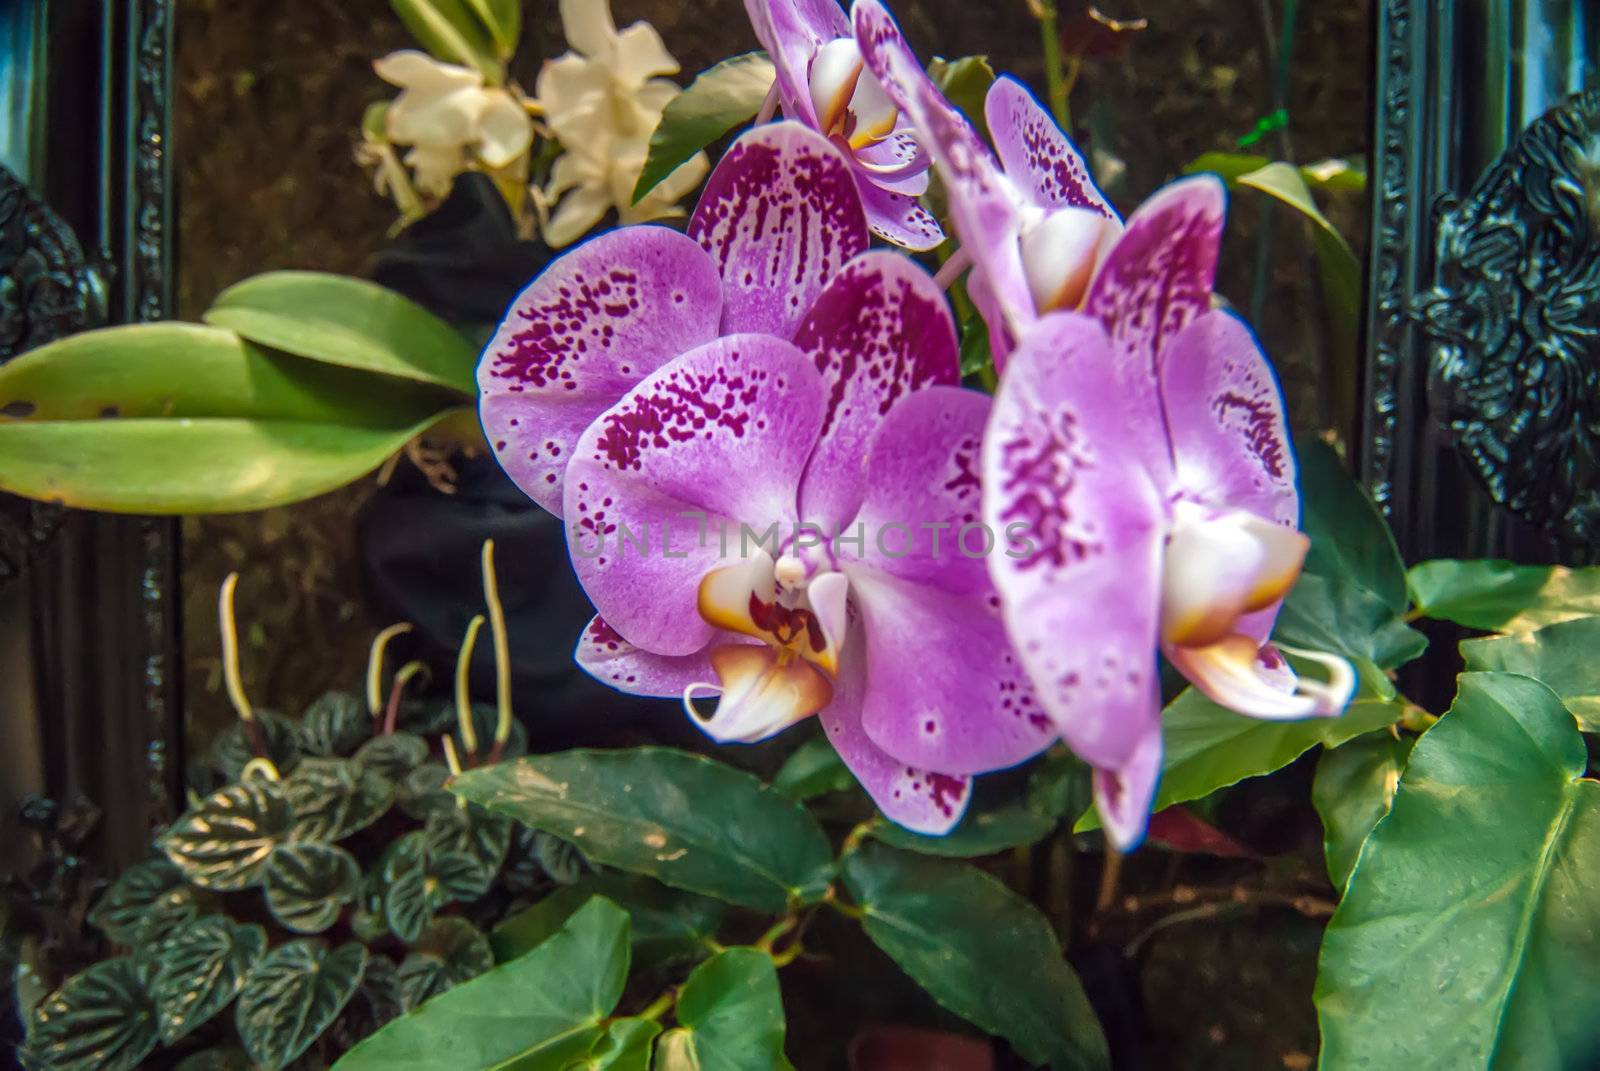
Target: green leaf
point(202, 968)
point(979, 833)
point(976, 353)
point(409, 897)
point(731, 1016)
point(450, 31)
point(376, 1002)
point(1333, 174)
point(1500, 596)
point(718, 100)
point(173, 418)
point(234, 747)
point(561, 860)
point(1207, 747)
point(394, 755)
point(224, 842)
point(1349, 538)
point(123, 910)
point(537, 1013)
point(348, 322)
point(449, 952)
point(1354, 786)
point(1344, 618)
point(333, 798)
point(292, 996)
point(625, 1047)
point(1561, 656)
point(503, 20)
point(965, 83)
point(476, 836)
point(814, 769)
point(1469, 932)
point(684, 819)
point(229, 1058)
point(308, 884)
point(335, 724)
point(1061, 786)
point(668, 925)
point(980, 949)
point(102, 1019)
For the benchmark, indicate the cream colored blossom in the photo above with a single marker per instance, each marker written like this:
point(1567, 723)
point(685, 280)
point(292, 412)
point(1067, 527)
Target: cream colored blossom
point(450, 119)
point(602, 101)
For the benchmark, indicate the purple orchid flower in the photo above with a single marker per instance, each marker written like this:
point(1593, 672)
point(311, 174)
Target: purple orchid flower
point(822, 82)
point(676, 399)
point(1144, 444)
point(1032, 223)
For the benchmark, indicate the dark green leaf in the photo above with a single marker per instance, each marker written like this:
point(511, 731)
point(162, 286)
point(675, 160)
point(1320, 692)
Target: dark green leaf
point(202, 968)
point(537, 1013)
point(731, 1016)
point(333, 798)
point(394, 756)
point(718, 100)
point(503, 21)
point(308, 884)
point(1344, 618)
point(231, 1058)
point(1500, 596)
point(980, 950)
point(814, 769)
point(348, 322)
point(625, 1047)
point(561, 860)
point(234, 747)
point(669, 925)
point(485, 719)
point(335, 724)
point(965, 83)
point(375, 1004)
point(102, 1019)
point(1349, 538)
point(1354, 786)
point(1208, 747)
point(976, 353)
point(225, 841)
point(408, 900)
point(122, 911)
point(682, 818)
point(1061, 786)
point(449, 952)
point(1469, 935)
point(450, 31)
point(423, 792)
point(979, 833)
point(1562, 656)
point(293, 995)
point(475, 834)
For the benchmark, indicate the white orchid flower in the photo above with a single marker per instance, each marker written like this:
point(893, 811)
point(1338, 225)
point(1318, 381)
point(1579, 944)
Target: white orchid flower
point(449, 117)
point(602, 101)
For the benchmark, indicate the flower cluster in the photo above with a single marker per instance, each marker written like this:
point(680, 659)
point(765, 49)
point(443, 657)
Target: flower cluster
point(769, 372)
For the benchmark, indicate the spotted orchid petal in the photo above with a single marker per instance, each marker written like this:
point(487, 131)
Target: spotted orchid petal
point(1036, 155)
point(898, 163)
point(1123, 794)
point(588, 329)
point(880, 331)
point(780, 216)
point(919, 800)
point(714, 440)
point(1224, 410)
point(608, 658)
point(1255, 680)
point(900, 218)
point(970, 708)
point(1081, 592)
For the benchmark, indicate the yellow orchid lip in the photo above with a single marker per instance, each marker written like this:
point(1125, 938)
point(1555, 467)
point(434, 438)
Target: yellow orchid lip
point(762, 691)
point(743, 598)
point(1219, 568)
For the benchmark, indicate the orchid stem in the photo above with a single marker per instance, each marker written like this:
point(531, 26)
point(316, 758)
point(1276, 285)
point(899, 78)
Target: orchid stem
point(769, 106)
point(951, 269)
point(660, 1006)
point(1057, 83)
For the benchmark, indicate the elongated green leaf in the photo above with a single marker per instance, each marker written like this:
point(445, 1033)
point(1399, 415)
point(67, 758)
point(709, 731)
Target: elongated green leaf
point(718, 100)
point(1501, 596)
point(1208, 747)
point(815, 769)
point(1469, 935)
point(625, 1047)
point(965, 82)
point(308, 884)
point(503, 20)
point(980, 950)
point(537, 1013)
point(202, 968)
point(224, 842)
point(292, 996)
point(1563, 657)
point(979, 833)
point(449, 952)
point(682, 818)
point(452, 32)
point(1349, 538)
point(668, 925)
point(1354, 786)
point(731, 1016)
point(348, 322)
point(102, 1019)
point(1332, 174)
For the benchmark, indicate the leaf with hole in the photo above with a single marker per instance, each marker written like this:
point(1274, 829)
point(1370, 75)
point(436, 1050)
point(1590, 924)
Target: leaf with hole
point(349, 322)
point(1562, 656)
point(719, 99)
point(449, 952)
point(224, 842)
point(1469, 931)
point(101, 1019)
point(539, 1011)
point(293, 995)
point(308, 884)
point(981, 951)
point(202, 968)
point(333, 798)
point(730, 1016)
point(123, 910)
point(683, 819)
point(335, 724)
